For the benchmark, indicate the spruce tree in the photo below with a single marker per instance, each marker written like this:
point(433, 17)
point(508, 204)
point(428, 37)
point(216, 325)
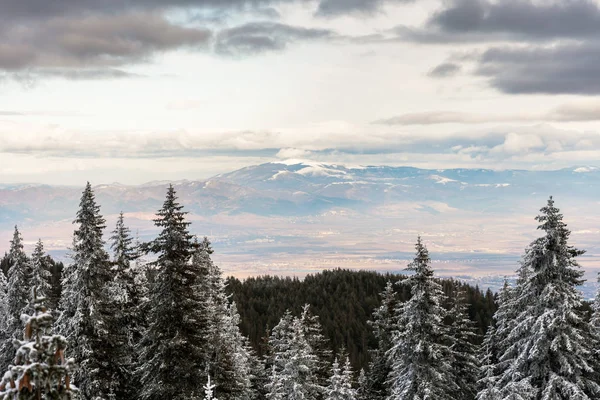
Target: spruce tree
point(340, 383)
point(41, 277)
point(18, 287)
point(40, 371)
point(550, 349)
point(362, 392)
point(421, 358)
point(6, 350)
point(87, 318)
point(383, 323)
point(294, 363)
point(466, 364)
point(126, 301)
point(318, 343)
point(172, 352)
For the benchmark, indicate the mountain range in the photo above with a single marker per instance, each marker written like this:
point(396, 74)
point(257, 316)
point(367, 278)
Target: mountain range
point(295, 216)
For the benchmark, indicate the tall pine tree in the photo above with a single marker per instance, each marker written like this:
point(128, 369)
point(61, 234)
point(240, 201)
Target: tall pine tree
point(18, 287)
point(172, 362)
point(549, 350)
point(87, 314)
point(383, 323)
point(462, 331)
point(421, 358)
point(126, 299)
point(41, 276)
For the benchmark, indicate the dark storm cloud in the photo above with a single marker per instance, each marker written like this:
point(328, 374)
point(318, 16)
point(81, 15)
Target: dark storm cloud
point(260, 37)
point(444, 70)
point(563, 69)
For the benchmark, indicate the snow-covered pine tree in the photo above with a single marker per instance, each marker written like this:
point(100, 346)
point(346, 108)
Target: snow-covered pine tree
point(41, 277)
point(496, 343)
point(550, 350)
point(229, 358)
point(6, 351)
point(173, 348)
point(318, 343)
point(595, 319)
point(209, 389)
point(339, 385)
point(383, 323)
point(274, 387)
point(87, 318)
point(487, 382)
point(18, 287)
point(40, 370)
point(294, 363)
point(126, 299)
point(466, 364)
point(362, 392)
point(421, 357)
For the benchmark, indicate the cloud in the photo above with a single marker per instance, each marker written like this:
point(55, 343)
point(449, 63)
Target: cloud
point(577, 112)
point(289, 153)
point(520, 20)
point(557, 69)
point(331, 8)
point(89, 47)
point(259, 37)
point(445, 70)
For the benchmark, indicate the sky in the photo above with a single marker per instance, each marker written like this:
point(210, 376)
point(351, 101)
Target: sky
point(141, 90)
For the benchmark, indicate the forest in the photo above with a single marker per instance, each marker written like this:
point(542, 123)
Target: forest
point(125, 319)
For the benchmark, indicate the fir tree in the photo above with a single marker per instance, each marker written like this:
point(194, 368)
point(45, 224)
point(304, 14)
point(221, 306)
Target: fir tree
point(126, 301)
point(41, 277)
point(466, 365)
point(362, 392)
point(340, 383)
point(209, 389)
point(87, 318)
point(420, 357)
point(19, 284)
point(294, 363)
point(382, 323)
point(40, 370)
point(173, 348)
point(6, 350)
point(549, 352)
point(318, 343)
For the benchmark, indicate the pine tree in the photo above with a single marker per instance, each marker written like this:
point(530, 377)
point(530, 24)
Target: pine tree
point(40, 371)
point(383, 323)
point(595, 320)
point(550, 349)
point(466, 365)
point(126, 301)
point(318, 343)
point(87, 318)
point(19, 284)
point(294, 363)
point(173, 349)
point(340, 383)
point(6, 350)
point(209, 389)
point(420, 357)
point(488, 378)
point(41, 277)
point(362, 392)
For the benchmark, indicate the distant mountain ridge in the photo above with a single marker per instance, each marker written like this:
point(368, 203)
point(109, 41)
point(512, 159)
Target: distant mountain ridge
point(295, 216)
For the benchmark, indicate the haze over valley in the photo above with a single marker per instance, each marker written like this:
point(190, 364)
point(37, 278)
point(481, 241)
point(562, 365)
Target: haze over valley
point(296, 217)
